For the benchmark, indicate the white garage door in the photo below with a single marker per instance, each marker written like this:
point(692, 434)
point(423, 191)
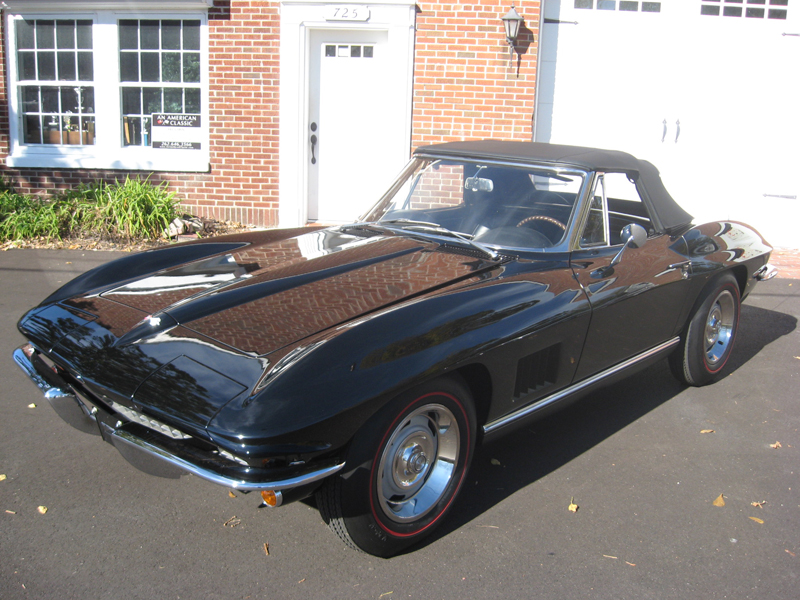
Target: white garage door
point(706, 90)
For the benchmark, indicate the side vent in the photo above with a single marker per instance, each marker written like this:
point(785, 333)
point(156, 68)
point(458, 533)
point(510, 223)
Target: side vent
point(536, 371)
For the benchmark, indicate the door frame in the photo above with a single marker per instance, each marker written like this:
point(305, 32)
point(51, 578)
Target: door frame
point(298, 19)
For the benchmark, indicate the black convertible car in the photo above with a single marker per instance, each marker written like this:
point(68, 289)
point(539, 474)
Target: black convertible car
point(362, 363)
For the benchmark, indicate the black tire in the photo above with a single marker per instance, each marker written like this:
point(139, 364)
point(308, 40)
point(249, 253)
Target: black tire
point(707, 341)
point(404, 469)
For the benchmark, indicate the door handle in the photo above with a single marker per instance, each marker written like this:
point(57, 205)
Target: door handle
point(313, 144)
point(313, 140)
point(677, 130)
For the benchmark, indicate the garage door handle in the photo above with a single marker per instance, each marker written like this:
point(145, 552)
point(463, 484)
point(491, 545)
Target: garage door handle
point(664, 134)
point(677, 130)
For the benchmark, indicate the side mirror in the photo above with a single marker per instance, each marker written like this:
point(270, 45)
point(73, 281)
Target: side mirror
point(634, 236)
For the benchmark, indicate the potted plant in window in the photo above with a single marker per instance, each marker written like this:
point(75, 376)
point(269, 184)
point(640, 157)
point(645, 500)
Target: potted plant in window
point(73, 134)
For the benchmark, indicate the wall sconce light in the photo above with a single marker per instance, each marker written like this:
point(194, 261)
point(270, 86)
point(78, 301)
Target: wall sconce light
point(512, 23)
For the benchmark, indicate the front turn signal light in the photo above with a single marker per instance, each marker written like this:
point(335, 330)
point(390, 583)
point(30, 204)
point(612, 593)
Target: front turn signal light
point(270, 498)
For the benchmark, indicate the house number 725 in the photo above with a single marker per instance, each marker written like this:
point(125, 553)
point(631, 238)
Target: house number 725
point(346, 13)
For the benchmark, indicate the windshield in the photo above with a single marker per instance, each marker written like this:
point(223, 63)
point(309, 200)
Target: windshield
point(495, 205)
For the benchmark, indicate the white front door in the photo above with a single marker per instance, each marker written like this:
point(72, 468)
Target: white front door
point(350, 125)
point(705, 90)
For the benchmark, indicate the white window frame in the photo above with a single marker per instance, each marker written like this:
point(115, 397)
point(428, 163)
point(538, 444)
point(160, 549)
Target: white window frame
point(108, 151)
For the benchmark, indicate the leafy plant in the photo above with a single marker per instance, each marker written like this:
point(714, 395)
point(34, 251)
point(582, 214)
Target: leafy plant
point(131, 209)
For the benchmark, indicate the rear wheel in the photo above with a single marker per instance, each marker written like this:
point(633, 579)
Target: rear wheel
point(404, 469)
point(708, 340)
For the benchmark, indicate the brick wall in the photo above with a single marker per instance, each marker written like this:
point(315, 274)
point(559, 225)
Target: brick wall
point(465, 86)
point(243, 105)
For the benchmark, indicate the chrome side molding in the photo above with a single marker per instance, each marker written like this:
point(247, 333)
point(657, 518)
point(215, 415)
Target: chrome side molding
point(575, 388)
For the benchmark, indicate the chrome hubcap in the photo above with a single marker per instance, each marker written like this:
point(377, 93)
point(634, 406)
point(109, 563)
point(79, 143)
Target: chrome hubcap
point(418, 463)
point(719, 327)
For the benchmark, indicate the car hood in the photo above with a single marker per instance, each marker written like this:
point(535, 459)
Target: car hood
point(263, 297)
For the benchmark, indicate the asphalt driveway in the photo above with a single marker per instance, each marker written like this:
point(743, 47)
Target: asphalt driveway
point(643, 460)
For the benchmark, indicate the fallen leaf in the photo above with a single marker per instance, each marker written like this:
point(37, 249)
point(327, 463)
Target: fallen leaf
point(385, 594)
point(11, 512)
point(231, 494)
point(496, 462)
point(31, 405)
point(266, 548)
point(2, 477)
point(707, 431)
point(42, 510)
point(607, 556)
point(572, 506)
point(757, 520)
point(791, 553)
point(776, 445)
point(719, 501)
point(630, 563)
point(759, 504)
point(302, 580)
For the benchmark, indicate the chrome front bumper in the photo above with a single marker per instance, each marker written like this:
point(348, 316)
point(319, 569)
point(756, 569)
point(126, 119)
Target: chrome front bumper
point(765, 273)
point(148, 454)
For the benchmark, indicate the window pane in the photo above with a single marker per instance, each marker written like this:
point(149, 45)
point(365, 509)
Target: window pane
point(84, 29)
point(65, 35)
point(131, 101)
point(27, 65)
point(47, 66)
point(30, 99)
point(69, 100)
point(128, 34)
point(31, 129)
point(85, 66)
point(129, 66)
point(173, 100)
point(191, 35)
point(25, 35)
point(152, 100)
point(149, 32)
point(50, 99)
point(192, 101)
point(87, 131)
point(150, 70)
point(170, 35)
point(171, 67)
point(66, 66)
point(132, 130)
point(87, 100)
point(45, 35)
point(191, 67)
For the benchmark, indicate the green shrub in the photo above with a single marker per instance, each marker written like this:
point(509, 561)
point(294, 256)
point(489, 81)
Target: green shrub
point(131, 210)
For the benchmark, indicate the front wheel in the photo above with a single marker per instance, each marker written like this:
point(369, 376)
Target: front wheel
point(404, 469)
point(707, 342)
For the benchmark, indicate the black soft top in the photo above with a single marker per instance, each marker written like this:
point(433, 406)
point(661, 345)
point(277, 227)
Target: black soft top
point(666, 214)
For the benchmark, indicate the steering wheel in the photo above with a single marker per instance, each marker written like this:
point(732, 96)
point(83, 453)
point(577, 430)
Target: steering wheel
point(545, 218)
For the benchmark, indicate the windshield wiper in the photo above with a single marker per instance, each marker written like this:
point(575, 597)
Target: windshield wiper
point(423, 227)
point(406, 222)
point(427, 227)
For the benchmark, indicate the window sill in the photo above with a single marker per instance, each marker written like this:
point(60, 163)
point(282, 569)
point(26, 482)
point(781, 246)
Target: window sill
point(196, 161)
